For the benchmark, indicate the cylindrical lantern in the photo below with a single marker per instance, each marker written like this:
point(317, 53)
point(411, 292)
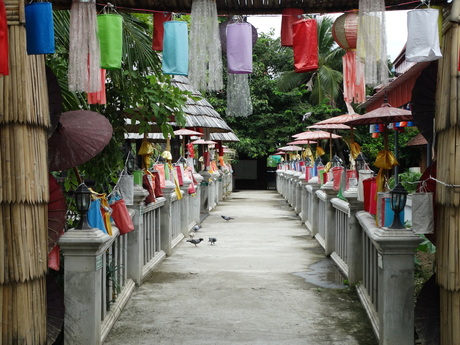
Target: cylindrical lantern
point(239, 48)
point(39, 28)
point(3, 40)
point(289, 17)
point(423, 35)
point(305, 45)
point(175, 48)
point(159, 18)
point(110, 32)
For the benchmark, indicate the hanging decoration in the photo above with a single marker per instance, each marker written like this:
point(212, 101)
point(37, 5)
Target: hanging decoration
point(159, 18)
point(305, 45)
point(423, 35)
point(110, 33)
point(84, 54)
point(98, 97)
point(175, 48)
point(289, 17)
point(39, 28)
point(3, 40)
point(239, 48)
point(238, 95)
point(205, 53)
point(345, 33)
point(372, 42)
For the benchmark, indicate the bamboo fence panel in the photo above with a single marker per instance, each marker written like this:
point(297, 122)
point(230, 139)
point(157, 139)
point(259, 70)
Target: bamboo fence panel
point(27, 327)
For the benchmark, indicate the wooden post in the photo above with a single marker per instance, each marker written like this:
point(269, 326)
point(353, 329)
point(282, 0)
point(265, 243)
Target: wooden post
point(24, 191)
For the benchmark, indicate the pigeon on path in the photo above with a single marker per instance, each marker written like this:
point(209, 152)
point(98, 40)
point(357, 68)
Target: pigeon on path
point(197, 227)
point(227, 218)
point(213, 240)
point(195, 242)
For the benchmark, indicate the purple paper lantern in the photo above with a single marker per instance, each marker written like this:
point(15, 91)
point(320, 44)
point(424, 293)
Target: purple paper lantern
point(239, 48)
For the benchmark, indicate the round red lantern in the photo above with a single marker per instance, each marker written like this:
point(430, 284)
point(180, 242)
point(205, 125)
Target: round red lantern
point(345, 30)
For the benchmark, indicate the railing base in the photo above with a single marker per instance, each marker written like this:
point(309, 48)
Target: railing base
point(369, 308)
point(320, 240)
point(116, 309)
point(149, 266)
point(177, 240)
point(343, 267)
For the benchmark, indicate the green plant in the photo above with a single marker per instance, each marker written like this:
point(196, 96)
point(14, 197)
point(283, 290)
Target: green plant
point(408, 180)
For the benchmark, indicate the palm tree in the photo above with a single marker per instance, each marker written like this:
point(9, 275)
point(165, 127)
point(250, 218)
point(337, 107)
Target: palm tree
point(326, 81)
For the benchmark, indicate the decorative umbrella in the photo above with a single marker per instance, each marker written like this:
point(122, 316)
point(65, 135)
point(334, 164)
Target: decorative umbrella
point(329, 126)
point(55, 310)
point(290, 148)
point(54, 99)
point(80, 135)
point(203, 142)
point(341, 119)
point(185, 132)
point(302, 142)
point(315, 135)
point(57, 209)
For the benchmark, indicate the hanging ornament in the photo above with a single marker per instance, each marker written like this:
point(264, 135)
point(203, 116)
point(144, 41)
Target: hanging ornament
point(159, 18)
point(205, 53)
point(345, 33)
point(175, 48)
point(100, 96)
point(372, 42)
point(239, 48)
point(84, 54)
point(39, 28)
point(110, 33)
point(305, 45)
point(3, 40)
point(238, 95)
point(423, 35)
point(289, 17)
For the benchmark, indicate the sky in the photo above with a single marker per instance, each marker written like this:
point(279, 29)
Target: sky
point(396, 25)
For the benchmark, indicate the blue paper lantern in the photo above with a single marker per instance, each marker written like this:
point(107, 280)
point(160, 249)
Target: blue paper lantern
point(175, 48)
point(39, 28)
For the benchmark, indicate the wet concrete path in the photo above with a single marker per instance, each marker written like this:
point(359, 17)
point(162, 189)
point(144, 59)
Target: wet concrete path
point(265, 281)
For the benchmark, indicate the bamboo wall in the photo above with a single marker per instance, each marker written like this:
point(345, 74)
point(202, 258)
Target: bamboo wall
point(24, 193)
point(447, 128)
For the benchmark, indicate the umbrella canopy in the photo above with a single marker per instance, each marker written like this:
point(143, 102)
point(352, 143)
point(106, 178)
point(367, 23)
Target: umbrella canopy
point(316, 135)
point(341, 119)
point(189, 132)
point(203, 142)
point(290, 148)
point(57, 209)
point(329, 126)
point(55, 309)
point(383, 115)
point(302, 142)
point(79, 136)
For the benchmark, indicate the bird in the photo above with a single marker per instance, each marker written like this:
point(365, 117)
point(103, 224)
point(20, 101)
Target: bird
point(212, 240)
point(227, 218)
point(191, 234)
point(195, 242)
point(197, 227)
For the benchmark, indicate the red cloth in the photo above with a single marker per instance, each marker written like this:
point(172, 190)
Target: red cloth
point(54, 257)
point(337, 175)
point(305, 45)
point(121, 216)
point(3, 40)
point(354, 91)
point(290, 16)
point(159, 18)
point(98, 97)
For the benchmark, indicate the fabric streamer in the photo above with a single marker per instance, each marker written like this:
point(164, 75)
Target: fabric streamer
point(289, 17)
point(372, 42)
point(39, 28)
point(3, 40)
point(205, 48)
point(423, 35)
point(110, 33)
point(100, 96)
point(84, 53)
point(175, 48)
point(305, 45)
point(158, 29)
point(238, 95)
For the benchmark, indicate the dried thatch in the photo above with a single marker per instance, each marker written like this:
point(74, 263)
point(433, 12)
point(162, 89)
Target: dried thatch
point(250, 6)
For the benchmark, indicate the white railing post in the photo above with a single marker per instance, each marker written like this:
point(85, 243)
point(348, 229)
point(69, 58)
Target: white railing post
point(166, 217)
point(196, 201)
point(185, 209)
point(205, 193)
point(329, 220)
point(83, 250)
point(303, 200)
point(136, 237)
point(312, 223)
point(297, 192)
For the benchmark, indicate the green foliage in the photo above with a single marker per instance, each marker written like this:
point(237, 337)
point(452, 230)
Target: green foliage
point(408, 180)
point(426, 246)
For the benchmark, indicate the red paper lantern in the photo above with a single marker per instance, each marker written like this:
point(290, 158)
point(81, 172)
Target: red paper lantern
point(305, 45)
point(3, 40)
point(159, 19)
point(289, 17)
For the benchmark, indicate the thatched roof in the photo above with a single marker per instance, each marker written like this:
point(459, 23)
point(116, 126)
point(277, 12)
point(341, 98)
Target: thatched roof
point(228, 7)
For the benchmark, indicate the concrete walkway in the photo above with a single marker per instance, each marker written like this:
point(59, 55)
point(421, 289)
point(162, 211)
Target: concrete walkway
point(265, 281)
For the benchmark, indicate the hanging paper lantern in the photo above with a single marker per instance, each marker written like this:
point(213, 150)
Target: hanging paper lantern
point(305, 45)
point(423, 35)
point(223, 34)
point(39, 28)
point(345, 33)
point(175, 48)
point(84, 54)
point(111, 40)
point(239, 48)
point(289, 17)
point(3, 40)
point(159, 18)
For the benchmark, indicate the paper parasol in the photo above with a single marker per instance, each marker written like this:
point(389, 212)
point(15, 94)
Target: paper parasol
point(185, 131)
point(203, 142)
point(57, 210)
point(80, 135)
point(302, 142)
point(315, 135)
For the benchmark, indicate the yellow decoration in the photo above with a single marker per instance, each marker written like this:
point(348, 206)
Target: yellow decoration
point(328, 167)
point(319, 151)
point(355, 149)
point(167, 155)
point(385, 161)
point(146, 148)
